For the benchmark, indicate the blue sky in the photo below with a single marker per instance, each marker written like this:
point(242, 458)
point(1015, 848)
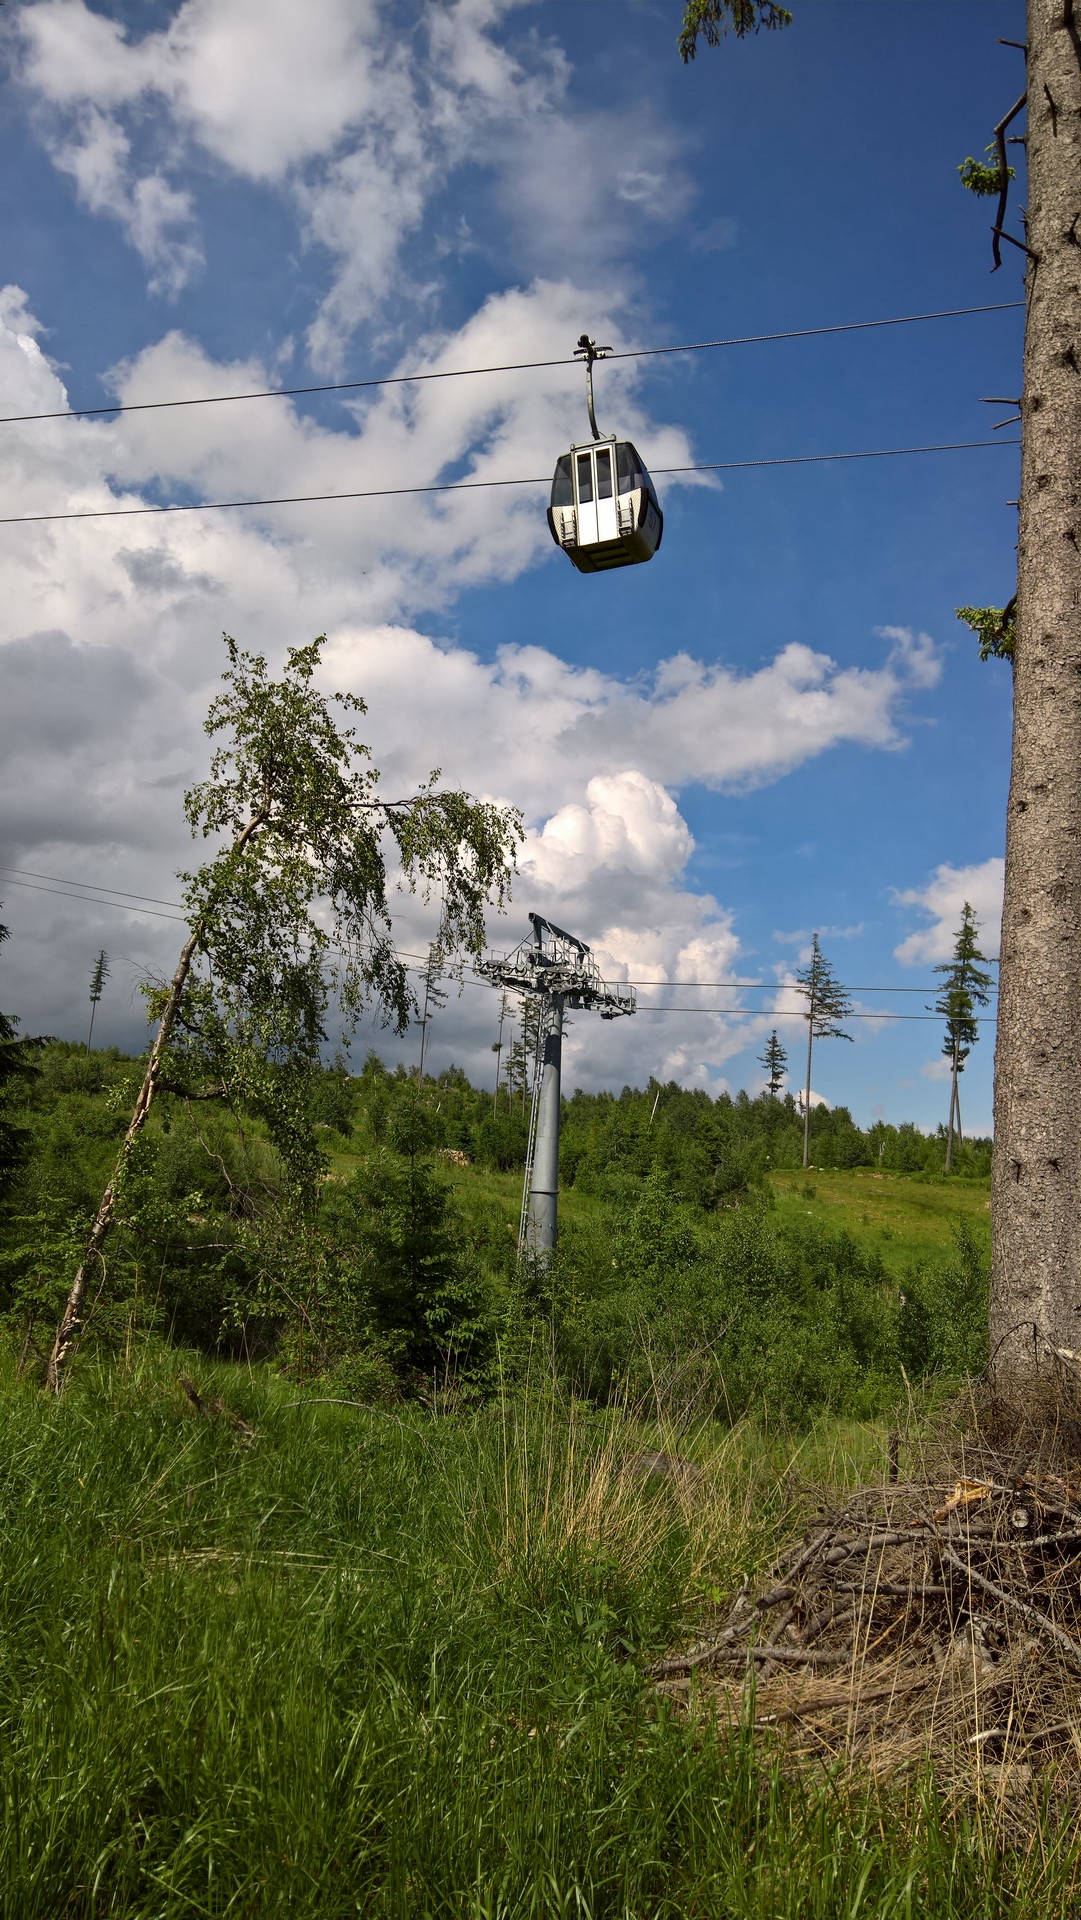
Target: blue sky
point(776, 726)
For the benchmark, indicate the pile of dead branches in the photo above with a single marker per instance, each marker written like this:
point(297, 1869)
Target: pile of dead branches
point(918, 1621)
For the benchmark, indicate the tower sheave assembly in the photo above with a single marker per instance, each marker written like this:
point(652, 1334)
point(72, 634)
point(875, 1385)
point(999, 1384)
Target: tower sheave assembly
point(558, 971)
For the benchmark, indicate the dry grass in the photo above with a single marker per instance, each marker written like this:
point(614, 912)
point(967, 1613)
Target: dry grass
point(934, 1621)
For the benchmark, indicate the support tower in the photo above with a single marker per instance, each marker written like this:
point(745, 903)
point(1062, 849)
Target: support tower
point(558, 971)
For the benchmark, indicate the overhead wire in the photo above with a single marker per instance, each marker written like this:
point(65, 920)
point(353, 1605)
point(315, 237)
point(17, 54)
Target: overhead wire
point(509, 366)
point(92, 901)
point(760, 986)
point(470, 486)
point(91, 889)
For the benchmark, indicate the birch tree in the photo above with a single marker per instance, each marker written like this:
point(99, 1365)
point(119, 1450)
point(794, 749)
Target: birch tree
point(290, 914)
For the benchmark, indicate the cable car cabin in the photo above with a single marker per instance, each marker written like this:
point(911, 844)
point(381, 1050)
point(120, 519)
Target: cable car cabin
point(605, 512)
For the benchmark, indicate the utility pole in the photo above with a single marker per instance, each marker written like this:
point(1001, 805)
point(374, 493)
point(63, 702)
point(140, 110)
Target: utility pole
point(557, 970)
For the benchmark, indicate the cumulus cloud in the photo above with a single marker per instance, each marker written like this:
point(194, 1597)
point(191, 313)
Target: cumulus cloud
point(942, 900)
point(111, 654)
point(939, 1069)
point(358, 127)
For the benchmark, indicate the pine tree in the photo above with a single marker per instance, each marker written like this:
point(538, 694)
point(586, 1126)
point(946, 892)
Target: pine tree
point(773, 1061)
point(827, 1005)
point(964, 988)
point(97, 983)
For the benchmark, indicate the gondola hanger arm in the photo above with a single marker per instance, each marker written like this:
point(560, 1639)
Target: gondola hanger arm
point(589, 351)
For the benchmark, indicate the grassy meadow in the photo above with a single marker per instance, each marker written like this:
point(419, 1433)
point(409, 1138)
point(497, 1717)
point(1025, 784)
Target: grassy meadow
point(907, 1218)
point(342, 1662)
point(365, 1627)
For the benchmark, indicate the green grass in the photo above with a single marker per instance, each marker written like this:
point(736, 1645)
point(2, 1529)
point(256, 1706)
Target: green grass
point(392, 1665)
point(907, 1218)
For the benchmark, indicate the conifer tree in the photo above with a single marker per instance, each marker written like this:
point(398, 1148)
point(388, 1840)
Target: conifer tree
point(773, 1061)
point(97, 982)
point(827, 1004)
point(965, 986)
point(435, 996)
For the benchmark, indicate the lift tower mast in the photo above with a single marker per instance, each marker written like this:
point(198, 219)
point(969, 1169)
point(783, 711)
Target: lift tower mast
point(559, 971)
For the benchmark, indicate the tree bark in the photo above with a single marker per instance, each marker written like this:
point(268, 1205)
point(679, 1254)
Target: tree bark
point(807, 1095)
point(949, 1124)
point(68, 1331)
point(1036, 1203)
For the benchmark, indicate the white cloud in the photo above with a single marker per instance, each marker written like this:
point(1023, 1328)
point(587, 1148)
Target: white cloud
point(356, 124)
point(111, 653)
point(917, 653)
point(939, 1069)
point(801, 937)
point(942, 899)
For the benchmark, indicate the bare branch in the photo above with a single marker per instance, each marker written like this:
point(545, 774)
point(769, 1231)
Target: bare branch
point(1004, 177)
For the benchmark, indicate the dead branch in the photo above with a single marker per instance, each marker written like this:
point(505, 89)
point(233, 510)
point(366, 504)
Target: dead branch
point(997, 232)
point(1032, 1614)
point(216, 1410)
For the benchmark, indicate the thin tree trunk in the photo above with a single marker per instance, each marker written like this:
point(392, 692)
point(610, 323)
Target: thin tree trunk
point(423, 1034)
point(958, 1137)
point(90, 1035)
point(70, 1326)
point(953, 1102)
point(807, 1095)
point(499, 1050)
point(1036, 1192)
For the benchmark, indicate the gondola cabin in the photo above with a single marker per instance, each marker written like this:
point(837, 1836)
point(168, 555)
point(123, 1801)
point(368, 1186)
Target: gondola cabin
point(605, 512)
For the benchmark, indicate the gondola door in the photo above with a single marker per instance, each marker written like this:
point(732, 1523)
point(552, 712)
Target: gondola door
point(595, 486)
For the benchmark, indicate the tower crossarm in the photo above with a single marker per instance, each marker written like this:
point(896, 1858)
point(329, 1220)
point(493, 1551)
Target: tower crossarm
point(580, 986)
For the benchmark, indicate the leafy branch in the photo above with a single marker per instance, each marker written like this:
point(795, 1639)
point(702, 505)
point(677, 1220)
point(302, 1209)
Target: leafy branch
point(994, 627)
point(713, 19)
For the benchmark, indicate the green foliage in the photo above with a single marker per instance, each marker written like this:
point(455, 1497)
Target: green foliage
point(289, 917)
point(773, 1061)
point(982, 178)
point(395, 1667)
point(676, 1272)
point(825, 998)
point(295, 797)
point(713, 19)
point(16, 1061)
point(98, 977)
point(943, 1321)
point(995, 628)
point(411, 1291)
point(965, 986)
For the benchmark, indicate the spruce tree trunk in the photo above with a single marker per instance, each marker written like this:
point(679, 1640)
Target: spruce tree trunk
point(953, 1103)
point(1036, 1205)
point(807, 1097)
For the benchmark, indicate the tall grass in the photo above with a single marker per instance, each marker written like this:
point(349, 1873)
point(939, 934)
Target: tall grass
point(385, 1665)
